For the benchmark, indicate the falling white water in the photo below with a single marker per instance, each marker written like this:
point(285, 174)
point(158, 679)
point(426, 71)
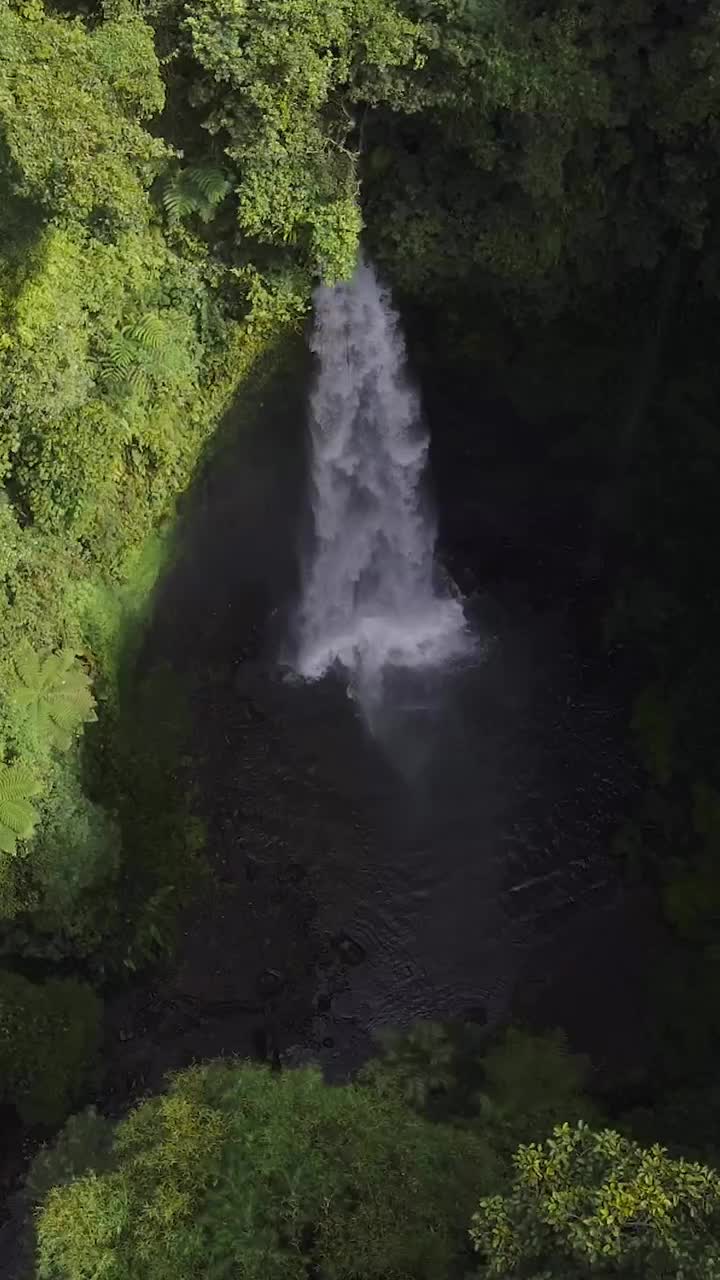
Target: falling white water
point(372, 599)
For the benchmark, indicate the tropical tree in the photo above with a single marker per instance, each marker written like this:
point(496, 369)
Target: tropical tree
point(586, 1203)
point(238, 1170)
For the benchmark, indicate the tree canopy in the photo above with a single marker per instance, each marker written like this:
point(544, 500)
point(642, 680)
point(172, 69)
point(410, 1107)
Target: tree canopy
point(237, 1170)
point(589, 1203)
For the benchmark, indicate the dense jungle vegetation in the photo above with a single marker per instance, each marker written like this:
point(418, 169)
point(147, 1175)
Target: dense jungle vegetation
point(541, 184)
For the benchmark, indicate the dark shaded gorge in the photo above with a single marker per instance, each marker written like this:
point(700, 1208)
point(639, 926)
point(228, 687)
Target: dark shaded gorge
point(463, 870)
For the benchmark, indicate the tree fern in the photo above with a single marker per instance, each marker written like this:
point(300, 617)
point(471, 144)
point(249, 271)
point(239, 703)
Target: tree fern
point(132, 355)
point(196, 190)
point(54, 693)
point(18, 818)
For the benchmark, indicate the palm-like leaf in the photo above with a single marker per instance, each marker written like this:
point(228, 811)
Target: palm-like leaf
point(121, 356)
point(178, 202)
point(18, 818)
point(211, 182)
point(54, 693)
point(196, 190)
point(150, 332)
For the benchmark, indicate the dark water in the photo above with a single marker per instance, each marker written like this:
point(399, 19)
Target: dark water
point(456, 864)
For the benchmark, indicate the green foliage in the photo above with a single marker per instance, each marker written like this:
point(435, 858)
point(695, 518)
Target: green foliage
point(101, 447)
point(653, 725)
point(509, 1087)
point(49, 1036)
point(589, 1203)
point(53, 693)
point(275, 85)
point(706, 814)
point(239, 1170)
point(36, 576)
point(72, 102)
point(504, 157)
point(18, 817)
point(84, 1143)
point(530, 1084)
point(691, 898)
point(76, 849)
point(123, 335)
point(147, 356)
point(685, 1119)
point(195, 190)
point(416, 1065)
point(145, 830)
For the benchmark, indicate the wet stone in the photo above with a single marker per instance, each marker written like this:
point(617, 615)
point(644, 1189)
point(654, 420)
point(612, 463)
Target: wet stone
point(270, 983)
point(294, 873)
point(344, 1007)
point(348, 949)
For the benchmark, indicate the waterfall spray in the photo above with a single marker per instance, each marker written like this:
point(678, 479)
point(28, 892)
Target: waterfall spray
point(372, 598)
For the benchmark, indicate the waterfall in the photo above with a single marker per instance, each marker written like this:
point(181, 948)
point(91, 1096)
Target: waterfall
point(372, 599)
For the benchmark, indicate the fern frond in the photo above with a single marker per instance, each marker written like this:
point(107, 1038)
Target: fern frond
point(211, 182)
point(197, 190)
point(139, 381)
point(119, 359)
point(149, 332)
point(20, 779)
point(27, 664)
point(18, 818)
point(177, 201)
point(54, 668)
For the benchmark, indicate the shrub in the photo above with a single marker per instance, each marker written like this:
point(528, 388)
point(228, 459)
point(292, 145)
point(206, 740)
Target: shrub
point(49, 1035)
